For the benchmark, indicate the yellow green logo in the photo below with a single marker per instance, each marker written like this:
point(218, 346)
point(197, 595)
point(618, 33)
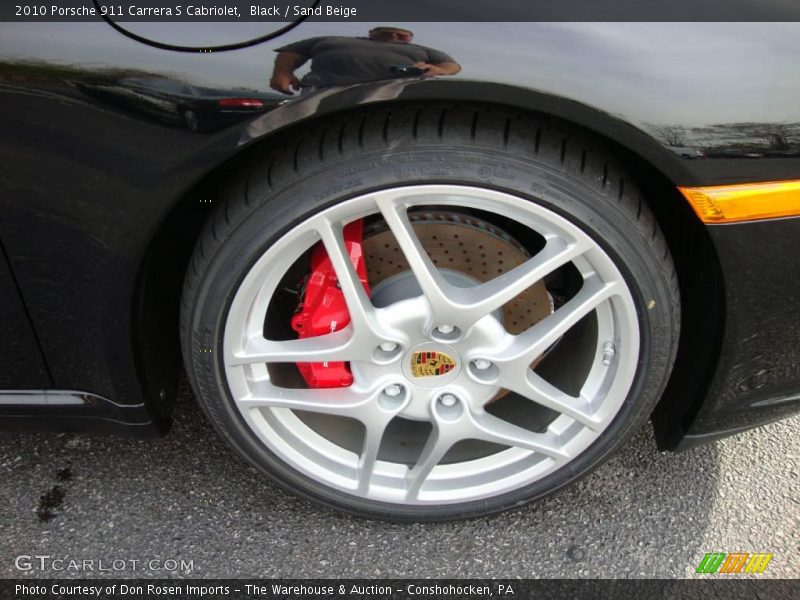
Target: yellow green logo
point(738, 562)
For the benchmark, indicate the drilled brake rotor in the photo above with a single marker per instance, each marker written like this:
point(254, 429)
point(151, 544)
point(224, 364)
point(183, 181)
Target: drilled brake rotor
point(464, 244)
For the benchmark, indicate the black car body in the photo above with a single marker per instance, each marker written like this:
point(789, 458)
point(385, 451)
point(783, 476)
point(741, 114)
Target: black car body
point(100, 208)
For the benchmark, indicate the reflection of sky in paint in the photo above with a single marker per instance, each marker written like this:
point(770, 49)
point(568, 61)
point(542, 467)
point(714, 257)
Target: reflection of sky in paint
point(629, 68)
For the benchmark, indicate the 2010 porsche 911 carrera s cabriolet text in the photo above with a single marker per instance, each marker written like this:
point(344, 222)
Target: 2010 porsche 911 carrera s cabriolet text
point(414, 264)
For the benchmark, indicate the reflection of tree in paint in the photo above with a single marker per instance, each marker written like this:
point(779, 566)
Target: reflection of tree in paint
point(778, 137)
point(672, 136)
point(732, 139)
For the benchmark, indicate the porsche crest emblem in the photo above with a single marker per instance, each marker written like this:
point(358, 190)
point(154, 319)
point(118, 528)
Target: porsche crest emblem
point(431, 364)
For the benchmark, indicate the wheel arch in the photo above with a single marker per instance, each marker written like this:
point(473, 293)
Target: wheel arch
point(656, 170)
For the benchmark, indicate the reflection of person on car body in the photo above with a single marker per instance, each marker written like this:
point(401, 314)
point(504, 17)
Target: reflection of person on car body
point(386, 54)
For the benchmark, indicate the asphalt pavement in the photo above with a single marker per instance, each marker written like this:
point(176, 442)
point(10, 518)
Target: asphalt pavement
point(186, 506)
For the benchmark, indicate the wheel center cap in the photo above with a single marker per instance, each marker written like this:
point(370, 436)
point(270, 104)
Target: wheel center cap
point(431, 365)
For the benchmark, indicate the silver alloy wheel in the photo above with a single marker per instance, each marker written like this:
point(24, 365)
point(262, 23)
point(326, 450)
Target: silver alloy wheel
point(419, 324)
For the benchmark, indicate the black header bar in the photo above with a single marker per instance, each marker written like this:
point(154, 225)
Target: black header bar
point(401, 10)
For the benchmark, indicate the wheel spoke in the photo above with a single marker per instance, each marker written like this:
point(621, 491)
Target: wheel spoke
point(477, 302)
point(481, 426)
point(337, 346)
point(433, 285)
point(362, 313)
point(343, 402)
point(373, 435)
point(532, 343)
point(493, 429)
point(534, 387)
point(435, 448)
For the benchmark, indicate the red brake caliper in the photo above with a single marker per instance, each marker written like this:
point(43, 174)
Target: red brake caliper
point(323, 310)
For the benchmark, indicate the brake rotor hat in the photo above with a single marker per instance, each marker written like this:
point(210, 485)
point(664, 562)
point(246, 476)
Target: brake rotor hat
point(472, 247)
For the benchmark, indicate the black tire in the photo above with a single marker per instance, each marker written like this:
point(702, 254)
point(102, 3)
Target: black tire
point(543, 160)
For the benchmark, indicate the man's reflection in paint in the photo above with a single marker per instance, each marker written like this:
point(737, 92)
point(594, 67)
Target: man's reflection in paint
point(386, 54)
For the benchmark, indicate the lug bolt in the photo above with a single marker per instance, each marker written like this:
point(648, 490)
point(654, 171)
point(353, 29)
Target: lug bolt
point(388, 346)
point(393, 391)
point(445, 329)
point(448, 400)
point(482, 364)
